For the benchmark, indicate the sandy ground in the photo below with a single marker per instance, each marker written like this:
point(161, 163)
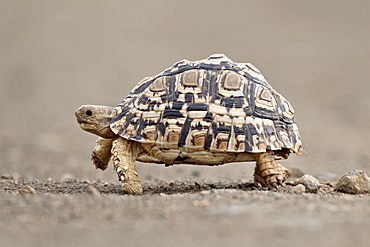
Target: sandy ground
point(56, 56)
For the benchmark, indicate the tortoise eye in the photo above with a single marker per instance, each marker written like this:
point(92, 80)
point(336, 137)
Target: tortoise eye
point(89, 112)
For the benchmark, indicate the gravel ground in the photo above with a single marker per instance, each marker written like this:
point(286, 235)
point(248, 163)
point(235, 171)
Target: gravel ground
point(56, 56)
point(185, 213)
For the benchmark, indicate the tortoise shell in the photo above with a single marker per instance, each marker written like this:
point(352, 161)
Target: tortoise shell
point(214, 105)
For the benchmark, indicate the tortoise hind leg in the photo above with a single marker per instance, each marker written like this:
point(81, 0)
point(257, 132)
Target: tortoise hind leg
point(124, 154)
point(268, 171)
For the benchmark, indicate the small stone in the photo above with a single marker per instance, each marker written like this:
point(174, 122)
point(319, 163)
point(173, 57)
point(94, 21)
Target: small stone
point(171, 183)
point(354, 182)
point(205, 192)
point(16, 176)
point(27, 190)
point(67, 177)
point(6, 177)
point(299, 189)
point(310, 183)
point(92, 191)
point(86, 181)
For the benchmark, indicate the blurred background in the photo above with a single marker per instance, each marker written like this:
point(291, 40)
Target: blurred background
point(58, 55)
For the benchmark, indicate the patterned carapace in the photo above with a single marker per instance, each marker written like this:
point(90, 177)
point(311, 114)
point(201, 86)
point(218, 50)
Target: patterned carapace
point(212, 105)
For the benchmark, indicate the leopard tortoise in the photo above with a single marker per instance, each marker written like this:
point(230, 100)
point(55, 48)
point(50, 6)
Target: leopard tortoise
point(206, 112)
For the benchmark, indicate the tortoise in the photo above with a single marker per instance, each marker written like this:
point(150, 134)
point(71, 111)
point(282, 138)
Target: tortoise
point(208, 112)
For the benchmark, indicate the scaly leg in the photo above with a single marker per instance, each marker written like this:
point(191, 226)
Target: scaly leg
point(124, 154)
point(102, 153)
point(268, 171)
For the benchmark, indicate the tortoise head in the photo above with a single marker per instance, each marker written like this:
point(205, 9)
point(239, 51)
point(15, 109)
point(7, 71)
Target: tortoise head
point(95, 119)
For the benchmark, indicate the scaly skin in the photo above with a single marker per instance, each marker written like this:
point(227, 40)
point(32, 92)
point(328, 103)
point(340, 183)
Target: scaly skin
point(124, 154)
point(268, 171)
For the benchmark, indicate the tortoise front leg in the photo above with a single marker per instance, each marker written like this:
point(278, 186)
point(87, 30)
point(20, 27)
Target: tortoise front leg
point(124, 154)
point(102, 153)
point(268, 171)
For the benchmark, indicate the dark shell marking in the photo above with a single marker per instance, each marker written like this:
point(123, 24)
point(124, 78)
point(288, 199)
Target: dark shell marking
point(212, 104)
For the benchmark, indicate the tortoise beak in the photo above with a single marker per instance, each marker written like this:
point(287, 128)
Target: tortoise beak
point(83, 121)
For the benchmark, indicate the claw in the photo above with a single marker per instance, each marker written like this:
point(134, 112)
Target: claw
point(256, 185)
point(279, 182)
point(273, 186)
point(132, 188)
point(269, 172)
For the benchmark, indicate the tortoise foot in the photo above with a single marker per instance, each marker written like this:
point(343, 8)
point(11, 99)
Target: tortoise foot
point(269, 172)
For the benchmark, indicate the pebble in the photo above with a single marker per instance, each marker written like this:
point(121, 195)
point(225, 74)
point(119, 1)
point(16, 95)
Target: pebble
point(354, 182)
point(6, 176)
point(67, 177)
point(299, 189)
point(205, 192)
point(92, 191)
point(16, 176)
point(86, 181)
point(27, 190)
point(311, 184)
